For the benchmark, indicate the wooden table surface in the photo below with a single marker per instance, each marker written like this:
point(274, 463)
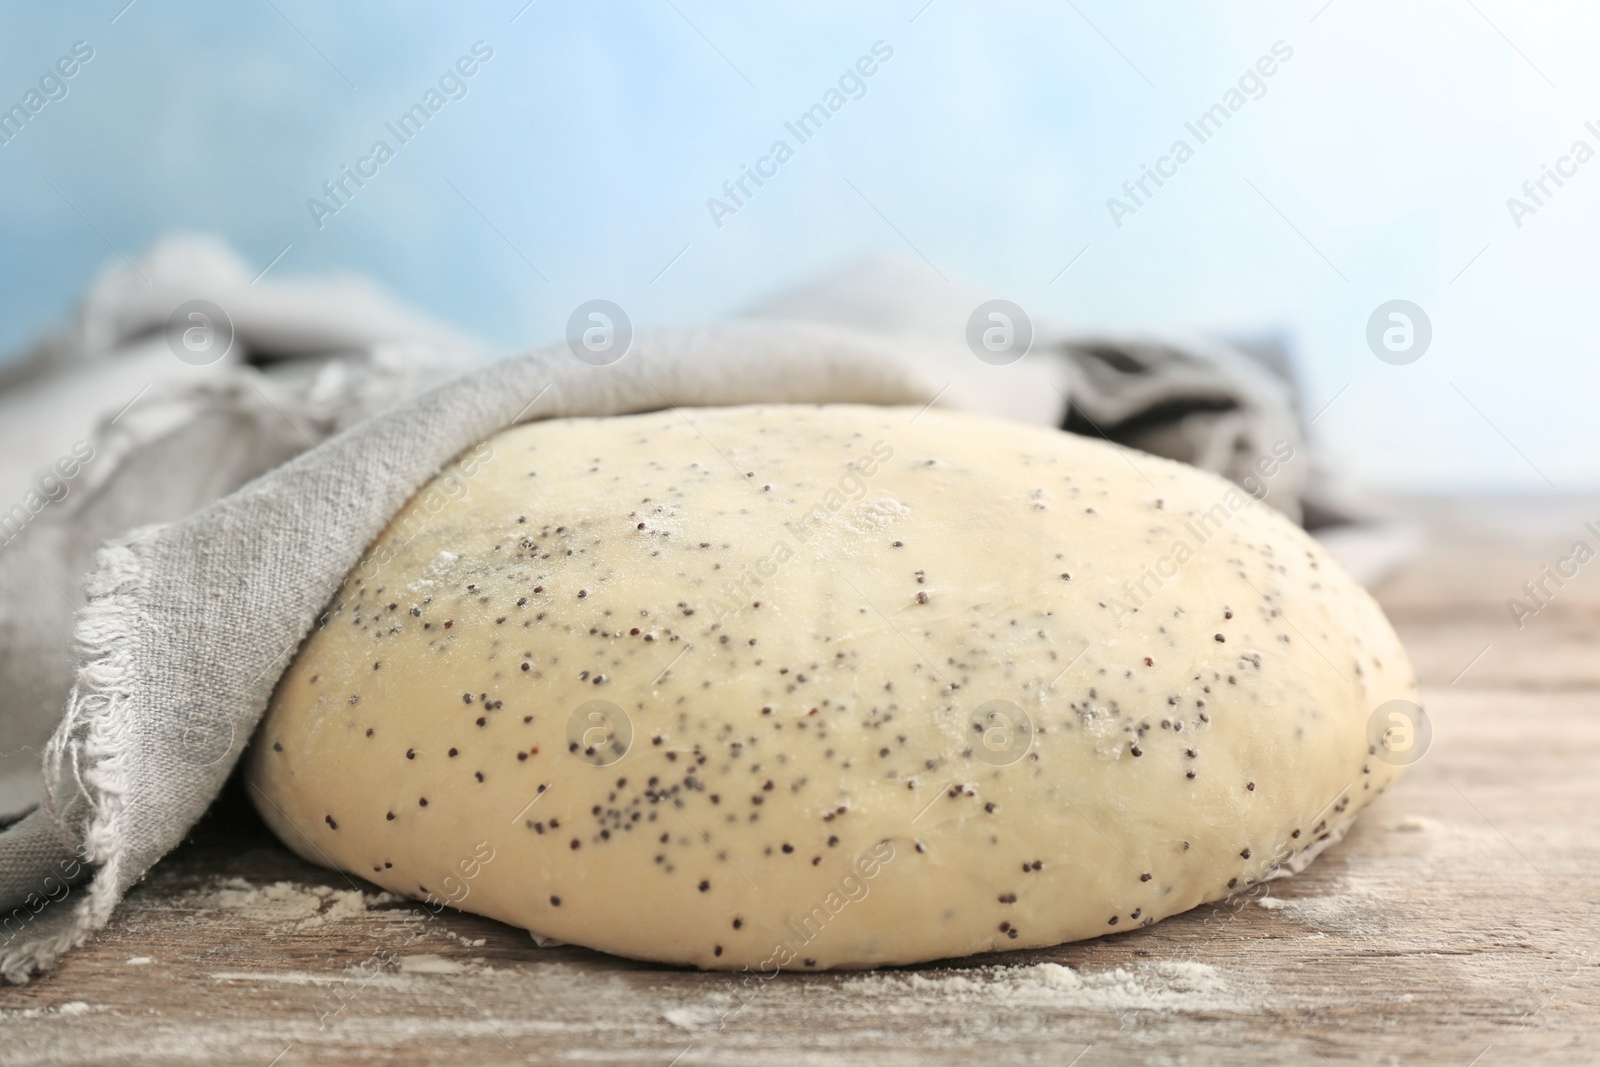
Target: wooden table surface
point(1456, 924)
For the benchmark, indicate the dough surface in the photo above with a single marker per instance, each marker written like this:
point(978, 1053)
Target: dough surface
point(816, 687)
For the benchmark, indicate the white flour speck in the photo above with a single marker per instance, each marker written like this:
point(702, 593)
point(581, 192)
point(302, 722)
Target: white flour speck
point(429, 963)
point(287, 906)
point(1173, 986)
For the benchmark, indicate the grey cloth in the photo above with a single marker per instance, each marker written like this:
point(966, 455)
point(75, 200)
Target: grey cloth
point(219, 531)
point(103, 429)
point(1221, 407)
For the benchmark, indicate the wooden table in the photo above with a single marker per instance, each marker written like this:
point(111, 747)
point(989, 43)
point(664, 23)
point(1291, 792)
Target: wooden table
point(1456, 924)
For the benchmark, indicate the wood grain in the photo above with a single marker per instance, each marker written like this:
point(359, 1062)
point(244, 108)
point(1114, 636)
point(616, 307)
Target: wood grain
point(1455, 924)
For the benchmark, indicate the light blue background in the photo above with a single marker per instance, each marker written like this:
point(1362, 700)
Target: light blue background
point(1383, 153)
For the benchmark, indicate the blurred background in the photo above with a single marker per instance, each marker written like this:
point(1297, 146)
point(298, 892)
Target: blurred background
point(1375, 163)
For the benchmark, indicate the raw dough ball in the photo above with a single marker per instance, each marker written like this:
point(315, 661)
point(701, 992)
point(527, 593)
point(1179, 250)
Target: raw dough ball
point(839, 686)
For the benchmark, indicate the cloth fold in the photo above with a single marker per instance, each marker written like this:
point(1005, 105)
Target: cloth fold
point(103, 429)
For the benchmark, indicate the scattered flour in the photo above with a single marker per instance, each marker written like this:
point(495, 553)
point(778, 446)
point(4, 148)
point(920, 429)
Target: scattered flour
point(1173, 986)
point(349, 978)
point(692, 1018)
point(1415, 824)
point(69, 1009)
point(283, 977)
point(429, 963)
point(139, 961)
point(1353, 907)
point(288, 906)
point(881, 513)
